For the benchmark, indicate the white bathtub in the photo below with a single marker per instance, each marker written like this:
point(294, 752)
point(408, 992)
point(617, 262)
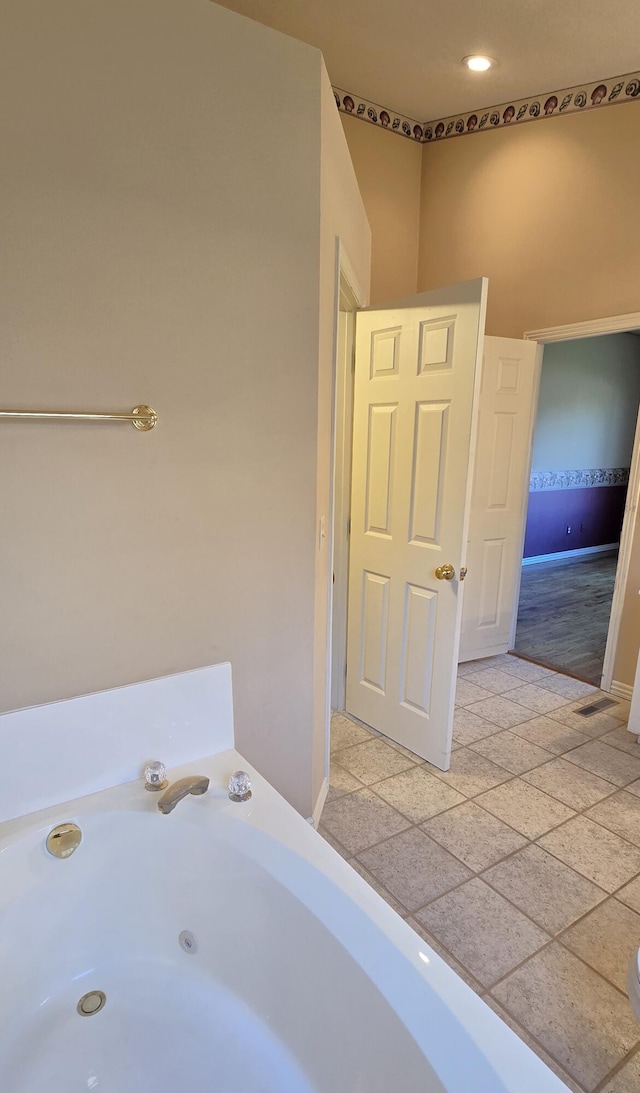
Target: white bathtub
point(299, 979)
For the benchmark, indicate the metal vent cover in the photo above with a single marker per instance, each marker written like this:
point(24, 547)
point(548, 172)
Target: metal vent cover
point(595, 707)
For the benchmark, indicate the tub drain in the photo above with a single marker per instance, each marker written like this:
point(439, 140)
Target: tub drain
point(91, 1003)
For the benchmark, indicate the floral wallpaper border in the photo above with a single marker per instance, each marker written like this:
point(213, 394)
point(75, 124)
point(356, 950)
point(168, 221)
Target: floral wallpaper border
point(571, 480)
point(570, 100)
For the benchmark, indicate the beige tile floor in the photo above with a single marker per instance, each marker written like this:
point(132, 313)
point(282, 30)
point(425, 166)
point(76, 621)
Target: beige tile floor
point(520, 865)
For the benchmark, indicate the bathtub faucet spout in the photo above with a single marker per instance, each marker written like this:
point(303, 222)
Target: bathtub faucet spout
point(196, 784)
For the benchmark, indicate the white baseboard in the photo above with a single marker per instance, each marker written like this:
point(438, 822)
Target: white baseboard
point(581, 552)
point(621, 690)
point(314, 820)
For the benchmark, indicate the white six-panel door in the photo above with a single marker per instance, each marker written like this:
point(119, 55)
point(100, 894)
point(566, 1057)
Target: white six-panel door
point(508, 394)
point(415, 383)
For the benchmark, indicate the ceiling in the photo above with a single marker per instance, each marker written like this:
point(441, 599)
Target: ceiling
point(405, 54)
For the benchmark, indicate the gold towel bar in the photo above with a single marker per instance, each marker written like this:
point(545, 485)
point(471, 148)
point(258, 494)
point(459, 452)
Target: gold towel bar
point(141, 417)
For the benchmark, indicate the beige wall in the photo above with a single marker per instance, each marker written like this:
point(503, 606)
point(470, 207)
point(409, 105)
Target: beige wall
point(388, 169)
point(549, 213)
point(343, 218)
point(145, 258)
point(546, 211)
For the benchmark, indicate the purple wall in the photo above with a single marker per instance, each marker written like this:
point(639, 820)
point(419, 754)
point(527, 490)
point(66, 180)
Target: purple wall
point(594, 515)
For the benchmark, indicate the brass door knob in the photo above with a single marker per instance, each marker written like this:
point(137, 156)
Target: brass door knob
point(445, 572)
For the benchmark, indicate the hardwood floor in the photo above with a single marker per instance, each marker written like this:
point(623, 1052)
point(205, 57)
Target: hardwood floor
point(563, 614)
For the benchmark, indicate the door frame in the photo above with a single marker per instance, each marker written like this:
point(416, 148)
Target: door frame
point(525, 483)
point(592, 328)
point(349, 297)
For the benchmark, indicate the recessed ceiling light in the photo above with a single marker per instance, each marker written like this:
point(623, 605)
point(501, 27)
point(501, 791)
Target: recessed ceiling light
point(478, 63)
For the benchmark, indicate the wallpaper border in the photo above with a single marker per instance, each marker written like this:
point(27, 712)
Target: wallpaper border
point(569, 100)
point(570, 480)
point(366, 110)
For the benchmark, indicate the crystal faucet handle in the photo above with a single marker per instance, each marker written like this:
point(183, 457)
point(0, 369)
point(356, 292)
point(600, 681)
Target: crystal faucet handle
point(240, 786)
point(155, 776)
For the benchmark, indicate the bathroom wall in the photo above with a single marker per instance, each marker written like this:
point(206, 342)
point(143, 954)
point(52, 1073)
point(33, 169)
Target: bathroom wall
point(547, 211)
point(388, 169)
point(162, 186)
point(343, 219)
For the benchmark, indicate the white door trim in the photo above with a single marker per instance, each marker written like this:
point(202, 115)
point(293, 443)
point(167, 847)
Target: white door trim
point(590, 328)
point(343, 409)
point(527, 478)
point(624, 558)
point(614, 324)
point(347, 286)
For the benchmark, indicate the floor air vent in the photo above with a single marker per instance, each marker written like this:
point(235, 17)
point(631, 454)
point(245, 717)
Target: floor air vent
point(596, 707)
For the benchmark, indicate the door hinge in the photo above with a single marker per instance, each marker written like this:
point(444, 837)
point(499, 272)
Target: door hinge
point(349, 525)
point(353, 359)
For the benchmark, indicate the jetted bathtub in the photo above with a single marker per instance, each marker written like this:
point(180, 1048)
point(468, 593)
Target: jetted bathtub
point(230, 949)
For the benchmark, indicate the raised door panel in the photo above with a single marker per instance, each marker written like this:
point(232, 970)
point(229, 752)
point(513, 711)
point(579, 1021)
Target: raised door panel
point(501, 459)
point(491, 578)
point(419, 629)
point(428, 467)
point(380, 461)
point(374, 629)
point(385, 352)
point(499, 495)
point(435, 345)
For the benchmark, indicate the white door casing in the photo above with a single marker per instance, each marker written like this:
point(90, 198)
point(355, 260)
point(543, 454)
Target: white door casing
point(417, 364)
point(506, 419)
point(343, 416)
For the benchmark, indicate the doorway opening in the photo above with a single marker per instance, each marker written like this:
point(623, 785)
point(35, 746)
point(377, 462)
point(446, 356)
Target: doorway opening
point(584, 450)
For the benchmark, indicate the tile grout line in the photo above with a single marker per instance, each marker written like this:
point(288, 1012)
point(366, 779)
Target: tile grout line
point(532, 1035)
point(581, 812)
point(617, 1068)
point(542, 763)
point(412, 914)
point(536, 1041)
point(539, 713)
point(412, 825)
point(581, 815)
point(479, 874)
point(551, 937)
point(582, 958)
point(512, 777)
point(489, 990)
point(614, 788)
point(529, 841)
